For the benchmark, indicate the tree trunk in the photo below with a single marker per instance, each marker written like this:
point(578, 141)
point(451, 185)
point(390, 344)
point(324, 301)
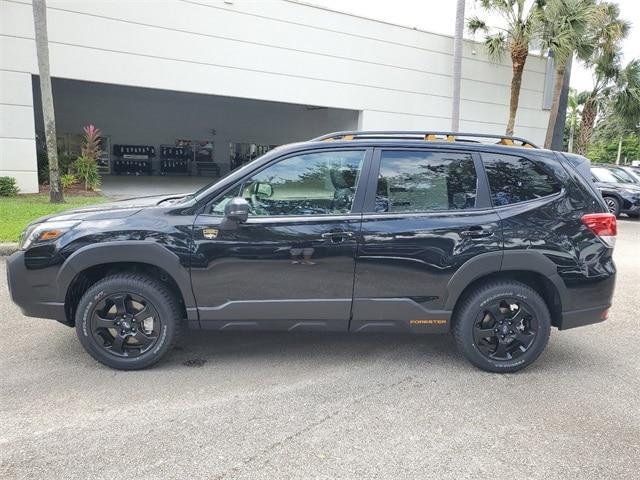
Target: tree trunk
point(589, 113)
point(572, 132)
point(518, 59)
point(555, 104)
point(42, 50)
point(619, 151)
point(457, 66)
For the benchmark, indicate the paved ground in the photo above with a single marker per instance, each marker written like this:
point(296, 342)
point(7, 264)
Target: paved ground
point(119, 187)
point(310, 406)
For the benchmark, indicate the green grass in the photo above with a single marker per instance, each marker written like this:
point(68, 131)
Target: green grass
point(17, 212)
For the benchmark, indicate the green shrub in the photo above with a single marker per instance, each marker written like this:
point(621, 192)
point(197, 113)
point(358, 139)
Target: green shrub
point(67, 180)
point(8, 187)
point(87, 171)
point(65, 165)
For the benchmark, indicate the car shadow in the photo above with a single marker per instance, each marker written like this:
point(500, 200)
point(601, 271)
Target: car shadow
point(197, 348)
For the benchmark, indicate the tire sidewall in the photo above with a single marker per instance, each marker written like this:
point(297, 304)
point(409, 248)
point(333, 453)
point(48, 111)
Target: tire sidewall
point(470, 312)
point(107, 287)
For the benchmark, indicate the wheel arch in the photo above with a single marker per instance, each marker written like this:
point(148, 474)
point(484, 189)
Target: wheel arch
point(89, 264)
point(530, 267)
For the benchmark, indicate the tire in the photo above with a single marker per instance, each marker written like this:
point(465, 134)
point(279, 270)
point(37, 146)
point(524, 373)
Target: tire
point(138, 338)
point(613, 204)
point(477, 314)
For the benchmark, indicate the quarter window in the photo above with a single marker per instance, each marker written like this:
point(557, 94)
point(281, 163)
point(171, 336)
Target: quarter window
point(423, 181)
point(516, 179)
point(321, 183)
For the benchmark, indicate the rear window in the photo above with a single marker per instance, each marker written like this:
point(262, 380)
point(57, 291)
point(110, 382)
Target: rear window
point(514, 179)
point(425, 181)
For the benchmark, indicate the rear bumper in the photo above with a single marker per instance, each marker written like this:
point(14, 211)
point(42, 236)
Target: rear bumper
point(28, 290)
point(586, 316)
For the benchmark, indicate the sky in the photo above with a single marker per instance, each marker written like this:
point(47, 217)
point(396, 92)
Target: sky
point(439, 16)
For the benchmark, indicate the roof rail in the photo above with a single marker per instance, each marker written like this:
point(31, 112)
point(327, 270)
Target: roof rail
point(427, 136)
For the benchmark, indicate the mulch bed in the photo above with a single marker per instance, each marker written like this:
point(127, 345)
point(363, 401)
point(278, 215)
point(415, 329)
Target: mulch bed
point(76, 190)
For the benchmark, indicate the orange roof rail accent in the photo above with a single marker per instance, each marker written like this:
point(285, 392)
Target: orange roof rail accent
point(429, 135)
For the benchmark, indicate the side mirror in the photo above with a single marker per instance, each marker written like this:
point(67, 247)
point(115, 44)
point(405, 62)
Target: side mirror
point(236, 210)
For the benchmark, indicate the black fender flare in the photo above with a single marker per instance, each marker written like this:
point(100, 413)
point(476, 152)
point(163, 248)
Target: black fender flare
point(147, 252)
point(503, 261)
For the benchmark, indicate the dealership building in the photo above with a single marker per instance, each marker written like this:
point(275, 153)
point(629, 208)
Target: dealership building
point(197, 87)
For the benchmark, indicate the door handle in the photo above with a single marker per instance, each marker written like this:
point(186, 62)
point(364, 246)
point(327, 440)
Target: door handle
point(476, 232)
point(337, 237)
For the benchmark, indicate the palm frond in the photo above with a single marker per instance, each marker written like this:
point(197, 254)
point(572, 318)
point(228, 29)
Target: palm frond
point(475, 24)
point(495, 45)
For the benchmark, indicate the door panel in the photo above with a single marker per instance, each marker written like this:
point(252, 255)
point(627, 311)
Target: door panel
point(283, 274)
point(405, 263)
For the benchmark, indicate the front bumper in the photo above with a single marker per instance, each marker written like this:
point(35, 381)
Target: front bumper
point(33, 291)
point(631, 205)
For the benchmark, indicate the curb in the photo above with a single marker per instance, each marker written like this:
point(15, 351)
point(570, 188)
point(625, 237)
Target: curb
point(7, 249)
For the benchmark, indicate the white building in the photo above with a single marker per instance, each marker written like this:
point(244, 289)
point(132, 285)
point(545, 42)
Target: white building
point(258, 72)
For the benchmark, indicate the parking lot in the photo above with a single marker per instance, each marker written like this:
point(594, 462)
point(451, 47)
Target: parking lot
point(235, 406)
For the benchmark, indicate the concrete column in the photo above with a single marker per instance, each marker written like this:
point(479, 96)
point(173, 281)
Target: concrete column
point(17, 130)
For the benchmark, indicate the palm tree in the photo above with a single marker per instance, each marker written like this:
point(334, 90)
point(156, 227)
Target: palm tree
point(605, 65)
point(457, 66)
point(568, 30)
point(517, 37)
point(625, 102)
point(42, 51)
point(573, 115)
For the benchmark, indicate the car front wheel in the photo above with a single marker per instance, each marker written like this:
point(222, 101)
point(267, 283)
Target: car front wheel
point(613, 205)
point(502, 327)
point(128, 321)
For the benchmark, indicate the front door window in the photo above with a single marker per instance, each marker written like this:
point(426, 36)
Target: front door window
point(311, 184)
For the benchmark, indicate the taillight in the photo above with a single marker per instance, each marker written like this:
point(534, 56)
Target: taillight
point(603, 225)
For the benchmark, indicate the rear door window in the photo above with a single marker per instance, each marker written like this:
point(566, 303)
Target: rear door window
point(425, 181)
point(514, 179)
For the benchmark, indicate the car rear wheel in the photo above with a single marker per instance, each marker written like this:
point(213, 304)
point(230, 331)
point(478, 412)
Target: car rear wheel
point(613, 205)
point(128, 321)
point(502, 327)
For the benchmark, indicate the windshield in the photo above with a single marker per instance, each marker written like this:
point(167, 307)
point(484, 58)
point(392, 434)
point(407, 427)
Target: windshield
point(209, 185)
point(607, 175)
point(629, 177)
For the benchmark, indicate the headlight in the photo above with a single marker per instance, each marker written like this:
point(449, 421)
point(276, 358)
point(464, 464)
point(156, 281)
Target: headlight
point(45, 232)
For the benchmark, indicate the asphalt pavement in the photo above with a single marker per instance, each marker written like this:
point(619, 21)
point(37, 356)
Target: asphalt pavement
point(318, 406)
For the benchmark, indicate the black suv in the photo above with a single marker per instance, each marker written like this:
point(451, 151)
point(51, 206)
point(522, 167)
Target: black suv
point(413, 232)
point(621, 190)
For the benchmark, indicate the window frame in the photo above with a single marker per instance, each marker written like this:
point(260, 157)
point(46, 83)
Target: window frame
point(358, 201)
point(483, 200)
point(536, 163)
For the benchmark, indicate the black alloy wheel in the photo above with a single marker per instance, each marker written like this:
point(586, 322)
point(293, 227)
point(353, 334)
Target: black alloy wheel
point(502, 326)
point(129, 321)
point(505, 329)
point(126, 324)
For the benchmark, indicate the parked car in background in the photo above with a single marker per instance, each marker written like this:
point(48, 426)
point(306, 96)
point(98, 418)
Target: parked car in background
point(620, 190)
point(383, 232)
